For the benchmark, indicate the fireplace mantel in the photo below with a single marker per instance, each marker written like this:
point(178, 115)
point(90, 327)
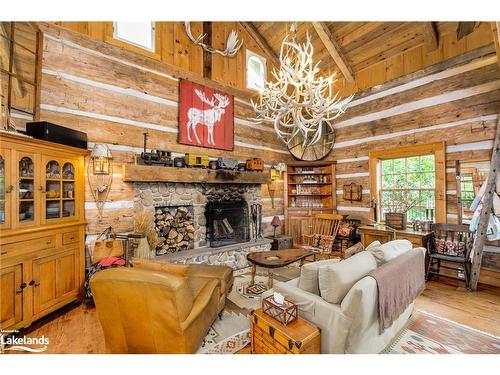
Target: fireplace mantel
point(144, 173)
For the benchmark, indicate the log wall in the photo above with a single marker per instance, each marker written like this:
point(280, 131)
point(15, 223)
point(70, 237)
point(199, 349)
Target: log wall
point(456, 101)
point(115, 96)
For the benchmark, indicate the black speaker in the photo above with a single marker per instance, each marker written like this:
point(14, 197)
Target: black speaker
point(56, 133)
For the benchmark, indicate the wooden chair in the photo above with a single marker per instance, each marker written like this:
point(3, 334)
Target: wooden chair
point(451, 235)
point(322, 224)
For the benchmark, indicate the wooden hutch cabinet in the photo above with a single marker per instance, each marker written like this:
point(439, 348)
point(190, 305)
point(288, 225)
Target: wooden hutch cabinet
point(310, 189)
point(41, 228)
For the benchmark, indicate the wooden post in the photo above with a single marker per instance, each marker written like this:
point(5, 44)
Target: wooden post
point(480, 237)
point(207, 56)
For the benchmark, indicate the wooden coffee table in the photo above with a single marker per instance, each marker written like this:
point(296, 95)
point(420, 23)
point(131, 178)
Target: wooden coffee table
point(276, 259)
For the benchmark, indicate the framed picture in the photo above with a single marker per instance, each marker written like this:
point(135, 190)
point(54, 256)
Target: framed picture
point(206, 117)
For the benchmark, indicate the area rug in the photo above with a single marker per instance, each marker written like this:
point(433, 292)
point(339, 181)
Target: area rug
point(429, 334)
point(227, 335)
point(242, 299)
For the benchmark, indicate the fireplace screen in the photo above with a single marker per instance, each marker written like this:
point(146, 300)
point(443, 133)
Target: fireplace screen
point(227, 223)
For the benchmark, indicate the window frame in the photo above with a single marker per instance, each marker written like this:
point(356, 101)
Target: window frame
point(251, 54)
point(438, 149)
point(123, 40)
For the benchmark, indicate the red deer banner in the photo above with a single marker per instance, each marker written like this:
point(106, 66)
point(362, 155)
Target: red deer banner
point(205, 117)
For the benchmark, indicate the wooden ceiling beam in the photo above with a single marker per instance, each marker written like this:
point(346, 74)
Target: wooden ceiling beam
point(254, 33)
point(495, 28)
point(333, 48)
point(431, 36)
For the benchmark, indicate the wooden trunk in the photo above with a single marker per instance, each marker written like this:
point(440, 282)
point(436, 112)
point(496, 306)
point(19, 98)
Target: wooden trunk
point(271, 337)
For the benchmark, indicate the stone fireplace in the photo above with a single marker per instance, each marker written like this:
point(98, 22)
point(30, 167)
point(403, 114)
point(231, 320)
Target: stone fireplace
point(227, 222)
point(216, 217)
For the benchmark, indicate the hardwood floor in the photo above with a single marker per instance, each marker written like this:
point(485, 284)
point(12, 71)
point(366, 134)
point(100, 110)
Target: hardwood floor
point(76, 329)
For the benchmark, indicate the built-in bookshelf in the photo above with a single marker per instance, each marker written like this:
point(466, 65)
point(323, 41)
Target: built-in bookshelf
point(310, 189)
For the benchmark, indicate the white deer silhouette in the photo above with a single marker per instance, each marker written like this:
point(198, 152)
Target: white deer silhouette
point(207, 117)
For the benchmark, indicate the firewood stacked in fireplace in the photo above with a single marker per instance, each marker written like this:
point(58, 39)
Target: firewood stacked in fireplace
point(175, 226)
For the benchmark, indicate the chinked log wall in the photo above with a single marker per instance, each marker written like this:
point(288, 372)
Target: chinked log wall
point(115, 96)
point(456, 101)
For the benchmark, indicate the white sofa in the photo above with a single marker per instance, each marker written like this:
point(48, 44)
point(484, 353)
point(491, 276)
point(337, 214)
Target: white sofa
point(350, 326)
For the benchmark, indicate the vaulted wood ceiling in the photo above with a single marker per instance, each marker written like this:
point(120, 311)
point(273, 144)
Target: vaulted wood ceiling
point(363, 44)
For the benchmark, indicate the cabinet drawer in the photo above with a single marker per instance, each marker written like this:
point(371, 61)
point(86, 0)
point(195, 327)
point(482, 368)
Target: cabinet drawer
point(70, 237)
point(42, 243)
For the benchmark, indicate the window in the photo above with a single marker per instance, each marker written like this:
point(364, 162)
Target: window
point(407, 184)
point(409, 177)
point(466, 189)
point(140, 34)
point(256, 71)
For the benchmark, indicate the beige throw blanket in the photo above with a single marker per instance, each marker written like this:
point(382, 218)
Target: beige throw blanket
point(399, 282)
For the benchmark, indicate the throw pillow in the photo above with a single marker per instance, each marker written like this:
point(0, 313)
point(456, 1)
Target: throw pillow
point(390, 250)
point(448, 247)
point(336, 280)
point(325, 244)
point(373, 245)
point(345, 230)
point(354, 249)
point(309, 275)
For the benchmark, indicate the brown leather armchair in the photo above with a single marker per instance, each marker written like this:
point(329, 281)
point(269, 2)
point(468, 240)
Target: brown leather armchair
point(142, 311)
point(198, 271)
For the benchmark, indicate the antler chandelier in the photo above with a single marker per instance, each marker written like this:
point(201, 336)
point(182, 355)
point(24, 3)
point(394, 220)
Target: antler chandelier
point(299, 103)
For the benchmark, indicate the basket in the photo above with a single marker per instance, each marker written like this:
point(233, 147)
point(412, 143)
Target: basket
point(285, 313)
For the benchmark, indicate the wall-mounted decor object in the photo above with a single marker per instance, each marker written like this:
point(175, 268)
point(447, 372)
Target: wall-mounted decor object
point(232, 45)
point(101, 175)
point(352, 192)
point(300, 104)
point(206, 117)
point(21, 49)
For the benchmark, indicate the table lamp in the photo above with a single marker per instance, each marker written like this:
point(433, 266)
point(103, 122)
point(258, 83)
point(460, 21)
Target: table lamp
point(276, 222)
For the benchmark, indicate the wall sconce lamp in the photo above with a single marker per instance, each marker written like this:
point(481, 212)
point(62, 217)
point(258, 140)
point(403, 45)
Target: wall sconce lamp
point(276, 170)
point(101, 159)
point(102, 176)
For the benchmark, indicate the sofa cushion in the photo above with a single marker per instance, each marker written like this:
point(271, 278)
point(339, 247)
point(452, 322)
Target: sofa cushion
point(335, 280)
point(390, 250)
point(308, 280)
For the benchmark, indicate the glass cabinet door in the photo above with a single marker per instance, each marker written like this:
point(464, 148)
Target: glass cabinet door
point(58, 190)
point(52, 190)
point(26, 191)
point(5, 188)
point(68, 188)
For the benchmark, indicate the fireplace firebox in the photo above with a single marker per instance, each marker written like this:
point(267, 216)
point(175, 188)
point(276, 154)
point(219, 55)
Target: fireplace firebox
point(227, 222)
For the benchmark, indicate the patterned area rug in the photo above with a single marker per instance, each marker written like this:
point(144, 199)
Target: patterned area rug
point(240, 297)
point(429, 334)
point(227, 335)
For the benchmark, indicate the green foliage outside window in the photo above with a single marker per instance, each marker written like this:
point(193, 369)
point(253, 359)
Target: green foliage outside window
point(408, 185)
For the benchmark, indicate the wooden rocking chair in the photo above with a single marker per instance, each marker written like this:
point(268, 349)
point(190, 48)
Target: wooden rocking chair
point(322, 225)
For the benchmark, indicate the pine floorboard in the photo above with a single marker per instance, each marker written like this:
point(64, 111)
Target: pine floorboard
point(76, 329)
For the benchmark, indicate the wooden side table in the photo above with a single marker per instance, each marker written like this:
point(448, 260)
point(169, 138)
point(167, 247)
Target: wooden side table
point(281, 242)
point(382, 233)
point(271, 337)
